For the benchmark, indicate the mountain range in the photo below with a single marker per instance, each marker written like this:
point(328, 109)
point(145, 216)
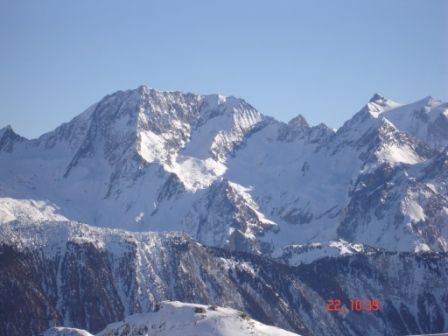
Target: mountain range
point(150, 196)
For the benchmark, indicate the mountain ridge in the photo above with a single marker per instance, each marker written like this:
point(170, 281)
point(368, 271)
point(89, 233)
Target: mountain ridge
point(148, 160)
point(75, 275)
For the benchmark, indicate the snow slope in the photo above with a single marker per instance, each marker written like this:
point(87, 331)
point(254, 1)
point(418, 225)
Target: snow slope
point(183, 319)
point(63, 331)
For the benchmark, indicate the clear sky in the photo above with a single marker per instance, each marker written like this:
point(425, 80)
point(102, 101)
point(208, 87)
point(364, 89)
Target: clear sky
point(323, 59)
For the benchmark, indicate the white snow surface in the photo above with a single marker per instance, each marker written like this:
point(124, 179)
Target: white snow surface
point(183, 319)
point(296, 254)
point(65, 331)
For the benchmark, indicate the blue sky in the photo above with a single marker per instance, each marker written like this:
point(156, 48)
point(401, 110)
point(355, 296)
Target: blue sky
point(323, 59)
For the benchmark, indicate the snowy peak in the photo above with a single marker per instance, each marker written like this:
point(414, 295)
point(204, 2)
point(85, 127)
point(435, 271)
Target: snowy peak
point(379, 104)
point(391, 146)
point(138, 116)
point(422, 122)
point(377, 98)
point(425, 120)
point(179, 131)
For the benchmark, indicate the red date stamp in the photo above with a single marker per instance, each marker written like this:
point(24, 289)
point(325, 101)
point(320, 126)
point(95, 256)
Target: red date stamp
point(335, 305)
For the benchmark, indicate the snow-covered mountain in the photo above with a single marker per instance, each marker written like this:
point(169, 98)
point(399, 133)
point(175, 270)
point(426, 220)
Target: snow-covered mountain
point(150, 196)
point(216, 168)
point(174, 318)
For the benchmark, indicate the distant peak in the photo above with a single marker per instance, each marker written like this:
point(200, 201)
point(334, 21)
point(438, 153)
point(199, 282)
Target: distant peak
point(6, 129)
point(299, 122)
point(143, 88)
point(429, 101)
point(379, 104)
point(376, 98)
point(8, 138)
point(146, 89)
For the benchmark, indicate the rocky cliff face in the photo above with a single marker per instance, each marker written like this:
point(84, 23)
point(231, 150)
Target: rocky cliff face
point(77, 276)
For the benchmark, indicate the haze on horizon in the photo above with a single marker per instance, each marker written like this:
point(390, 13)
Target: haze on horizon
point(322, 59)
